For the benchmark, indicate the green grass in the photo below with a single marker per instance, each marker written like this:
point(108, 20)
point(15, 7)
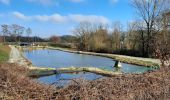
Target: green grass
point(4, 53)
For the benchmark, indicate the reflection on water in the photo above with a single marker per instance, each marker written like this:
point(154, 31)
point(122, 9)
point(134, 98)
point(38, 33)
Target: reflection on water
point(64, 79)
point(58, 59)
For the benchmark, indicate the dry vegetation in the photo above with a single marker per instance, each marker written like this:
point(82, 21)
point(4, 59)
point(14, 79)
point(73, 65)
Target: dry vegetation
point(149, 86)
point(15, 85)
point(152, 85)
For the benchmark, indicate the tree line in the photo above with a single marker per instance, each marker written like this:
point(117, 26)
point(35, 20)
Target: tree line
point(17, 33)
point(148, 36)
point(14, 31)
point(142, 38)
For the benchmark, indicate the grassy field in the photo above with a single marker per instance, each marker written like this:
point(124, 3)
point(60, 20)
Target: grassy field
point(4, 53)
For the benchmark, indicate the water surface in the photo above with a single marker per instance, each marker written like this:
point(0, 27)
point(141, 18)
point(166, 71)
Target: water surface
point(58, 59)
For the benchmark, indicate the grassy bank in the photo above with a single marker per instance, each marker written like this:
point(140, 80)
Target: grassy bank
point(126, 59)
point(14, 84)
point(4, 53)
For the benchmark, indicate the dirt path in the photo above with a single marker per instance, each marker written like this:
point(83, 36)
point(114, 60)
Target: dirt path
point(16, 57)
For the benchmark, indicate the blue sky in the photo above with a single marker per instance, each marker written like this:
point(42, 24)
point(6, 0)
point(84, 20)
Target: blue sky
point(59, 17)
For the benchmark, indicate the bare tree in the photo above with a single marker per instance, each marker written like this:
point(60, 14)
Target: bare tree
point(20, 32)
point(116, 36)
point(5, 31)
point(28, 32)
point(82, 32)
point(140, 28)
point(17, 31)
point(149, 11)
point(1, 39)
point(99, 39)
point(162, 46)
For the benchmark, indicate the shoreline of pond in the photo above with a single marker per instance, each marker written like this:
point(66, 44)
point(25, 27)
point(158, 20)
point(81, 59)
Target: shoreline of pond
point(40, 71)
point(16, 56)
point(155, 63)
point(146, 62)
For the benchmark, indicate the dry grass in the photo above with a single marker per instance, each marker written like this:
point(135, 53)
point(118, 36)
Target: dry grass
point(15, 85)
point(148, 86)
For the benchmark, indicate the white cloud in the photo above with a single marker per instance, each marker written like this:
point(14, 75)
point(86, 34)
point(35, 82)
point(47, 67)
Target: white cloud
point(57, 18)
point(50, 18)
point(43, 18)
point(20, 16)
point(89, 18)
point(7, 2)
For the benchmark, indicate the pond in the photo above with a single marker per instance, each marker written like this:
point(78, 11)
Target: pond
point(59, 59)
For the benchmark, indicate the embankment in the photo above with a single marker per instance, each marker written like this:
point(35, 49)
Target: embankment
point(148, 62)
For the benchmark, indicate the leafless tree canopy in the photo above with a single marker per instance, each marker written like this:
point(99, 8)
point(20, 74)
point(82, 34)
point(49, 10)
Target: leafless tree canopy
point(149, 11)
